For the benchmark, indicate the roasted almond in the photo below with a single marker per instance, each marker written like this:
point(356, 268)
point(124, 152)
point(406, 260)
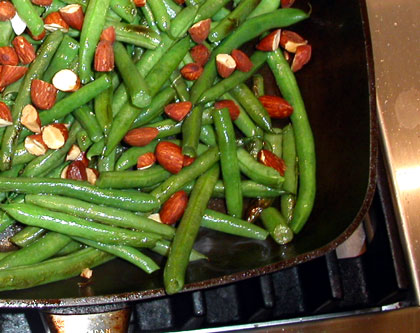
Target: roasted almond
point(73, 153)
point(269, 159)
point(290, 40)
point(76, 171)
point(104, 57)
point(140, 3)
point(92, 175)
point(5, 115)
point(10, 74)
point(66, 80)
point(225, 64)
point(270, 42)
point(302, 56)
point(24, 49)
point(243, 63)
point(178, 111)
point(287, 3)
point(173, 208)
point(39, 37)
point(35, 145)
point(42, 2)
point(200, 30)
point(276, 106)
point(30, 119)
point(180, 2)
point(191, 71)
point(54, 21)
point(8, 56)
point(7, 10)
point(108, 35)
point(145, 161)
point(73, 15)
point(55, 135)
point(140, 137)
point(234, 110)
point(200, 54)
point(188, 161)
point(169, 155)
point(43, 94)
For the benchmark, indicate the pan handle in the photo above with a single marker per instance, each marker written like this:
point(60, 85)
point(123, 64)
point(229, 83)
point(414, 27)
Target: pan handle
point(82, 319)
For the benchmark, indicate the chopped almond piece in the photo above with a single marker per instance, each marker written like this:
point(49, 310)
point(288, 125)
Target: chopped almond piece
point(30, 119)
point(55, 135)
point(66, 80)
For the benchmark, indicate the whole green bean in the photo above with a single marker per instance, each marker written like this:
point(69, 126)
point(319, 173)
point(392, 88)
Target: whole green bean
point(6, 33)
point(163, 248)
point(191, 129)
point(150, 19)
point(181, 88)
point(162, 17)
point(258, 85)
point(276, 225)
point(265, 6)
point(209, 9)
point(96, 149)
point(102, 105)
point(182, 22)
point(135, 34)
point(171, 8)
point(88, 121)
point(167, 127)
point(83, 140)
point(107, 163)
point(71, 247)
point(28, 14)
point(187, 230)
point(27, 236)
point(208, 135)
point(129, 158)
point(125, 9)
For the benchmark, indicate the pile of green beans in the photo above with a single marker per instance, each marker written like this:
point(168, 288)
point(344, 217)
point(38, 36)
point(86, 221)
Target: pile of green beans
point(71, 224)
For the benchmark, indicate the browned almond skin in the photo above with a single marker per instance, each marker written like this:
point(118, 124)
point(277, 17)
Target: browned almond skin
point(180, 2)
point(10, 74)
point(188, 161)
point(146, 160)
point(24, 49)
point(290, 40)
point(169, 156)
point(76, 171)
point(82, 158)
point(173, 209)
point(192, 71)
point(108, 35)
point(302, 57)
point(42, 2)
point(56, 18)
point(243, 63)
point(276, 106)
point(5, 112)
point(287, 3)
point(223, 70)
point(230, 105)
point(200, 54)
point(8, 56)
point(43, 94)
point(178, 111)
point(7, 10)
point(269, 159)
point(39, 37)
point(140, 137)
point(200, 31)
point(73, 19)
point(140, 3)
point(270, 42)
point(104, 57)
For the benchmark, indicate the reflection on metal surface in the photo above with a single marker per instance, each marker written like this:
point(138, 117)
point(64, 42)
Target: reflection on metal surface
point(395, 32)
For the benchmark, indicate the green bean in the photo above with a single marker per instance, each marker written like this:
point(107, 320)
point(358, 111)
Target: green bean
point(93, 25)
point(233, 20)
point(162, 17)
point(305, 147)
point(163, 247)
point(229, 161)
point(75, 100)
point(221, 14)
point(73, 226)
point(258, 59)
point(56, 172)
point(274, 142)
point(41, 249)
point(71, 247)
point(224, 223)
point(125, 9)
point(191, 129)
point(150, 19)
point(6, 33)
point(135, 34)
point(108, 215)
point(51, 270)
point(258, 85)
point(7, 220)
point(129, 158)
point(182, 22)
point(12, 172)
point(250, 189)
point(265, 6)
point(28, 14)
point(187, 230)
point(276, 225)
point(64, 56)
point(35, 71)
point(176, 182)
point(208, 135)
point(102, 105)
point(181, 88)
point(171, 8)
point(53, 7)
point(167, 128)
point(83, 140)
point(107, 163)
point(88, 121)
point(209, 9)
point(130, 200)
point(96, 149)
point(27, 236)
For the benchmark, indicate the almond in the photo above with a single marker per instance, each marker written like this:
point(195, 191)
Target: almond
point(145, 161)
point(173, 208)
point(225, 65)
point(178, 111)
point(200, 30)
point(7, 10)
point(188, 161)
point(290, 40)
point(140, 137)
point(200, 54)
point(108, 35)
point(35, 145)
point(76, 171)
point(92, 175)
point(180, 2)
point(73, 153)
point(54, 21)
point(169, 155)
point(10, 74)
point(234, 110)
point(86, 273)
point(243, 63)
point(270, 42)
point(43, 94)
point(276, 106)
point(269, 159)
point(73, 16)
point(66, 80)
point(42, 2)
point(8, 56)
point(192, 71)
point(104, 57)
point(302, 56)
point(55, 135)
point(140, 3)
point(5, 115)
point(287, 3)
point(18, 24)
point(30, 119)
point(24, 49)
point(39, 37)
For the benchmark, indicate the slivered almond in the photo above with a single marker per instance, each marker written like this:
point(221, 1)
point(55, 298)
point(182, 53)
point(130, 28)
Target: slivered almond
point(225, 65)
point(54, 21)
point(140, 137)
point(302, 56)
point(269, 159)
point(76, 171)
point(30, 119)
point(43, 94)
point(66, 80)
point(8, 56)
point(7, 10)
point(243, 63)
point(35, 145)
point(108, 35)
point(200, 30)
point(276, 106)
point(5, 115)
point(73, 15)
point(24, 49)
point(200, 54)
point(270, 42)
point(92, 175)
point(234, 110)
point(169, 155)
point(146, 161)
point(10, 74)
point(55, 135)
point(191, 71)
point(178, 111)
point(104, 57)
point(290, 40)
point(173, 208)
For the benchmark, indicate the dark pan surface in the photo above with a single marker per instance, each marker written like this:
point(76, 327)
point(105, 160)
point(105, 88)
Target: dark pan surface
point(338, 90)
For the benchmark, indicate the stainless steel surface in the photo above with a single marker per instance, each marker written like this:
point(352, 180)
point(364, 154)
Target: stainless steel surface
point(395, 33)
